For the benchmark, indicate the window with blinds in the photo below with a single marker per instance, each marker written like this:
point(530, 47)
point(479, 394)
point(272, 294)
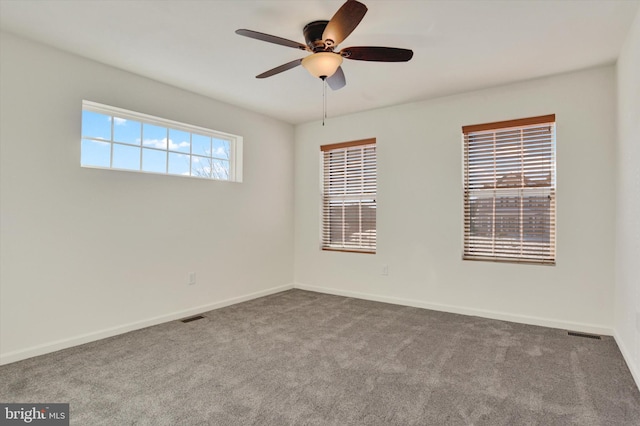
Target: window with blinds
point(510, 191)
point(349, 196)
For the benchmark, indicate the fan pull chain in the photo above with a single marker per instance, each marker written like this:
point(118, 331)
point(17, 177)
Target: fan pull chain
point(324, 100)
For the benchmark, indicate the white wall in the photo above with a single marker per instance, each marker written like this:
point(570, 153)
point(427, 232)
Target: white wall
point(87, 253)
point(420, 206)
point(627, 289)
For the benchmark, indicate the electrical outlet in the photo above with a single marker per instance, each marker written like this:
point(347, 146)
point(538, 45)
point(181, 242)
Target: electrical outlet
point(385, 269)
point(192, 278)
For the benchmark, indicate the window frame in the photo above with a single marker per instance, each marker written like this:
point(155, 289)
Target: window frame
point(546, 254)
point(235, 142)
point(363, 196)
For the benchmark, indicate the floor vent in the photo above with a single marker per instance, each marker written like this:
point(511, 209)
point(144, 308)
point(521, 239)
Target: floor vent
point(588, 336)
point(197, 317)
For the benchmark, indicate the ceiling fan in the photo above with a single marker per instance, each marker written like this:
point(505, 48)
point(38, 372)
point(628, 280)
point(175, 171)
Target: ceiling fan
point(322, 38)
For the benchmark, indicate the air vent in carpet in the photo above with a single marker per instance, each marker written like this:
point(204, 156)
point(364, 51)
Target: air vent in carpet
point(197, 317)
point(588, 336)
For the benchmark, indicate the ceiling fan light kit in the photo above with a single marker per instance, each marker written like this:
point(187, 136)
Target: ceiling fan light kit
point(322, 64)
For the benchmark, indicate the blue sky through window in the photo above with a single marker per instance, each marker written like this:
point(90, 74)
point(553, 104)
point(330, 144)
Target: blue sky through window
point(154, 160)
point(95, 153)
point(180, 140)
point(96, 125)
point(201, 145)
point(220, 148)
point(154, 136)
point(126, 157)
point(178, 164)
point(126, 131)
point(115, 142)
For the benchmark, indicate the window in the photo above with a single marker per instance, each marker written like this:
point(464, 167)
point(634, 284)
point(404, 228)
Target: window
point(510, 191)
point(349, 196)
point(115, 138)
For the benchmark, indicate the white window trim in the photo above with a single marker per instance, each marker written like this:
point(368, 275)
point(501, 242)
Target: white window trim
point(235, 141)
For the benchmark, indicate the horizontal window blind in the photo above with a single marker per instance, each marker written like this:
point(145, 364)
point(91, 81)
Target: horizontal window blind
point(509, 191)
point(349, 196)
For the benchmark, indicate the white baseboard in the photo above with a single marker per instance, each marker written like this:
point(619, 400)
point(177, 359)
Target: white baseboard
point(523, 319)
point(113, 331)
point(628, 358)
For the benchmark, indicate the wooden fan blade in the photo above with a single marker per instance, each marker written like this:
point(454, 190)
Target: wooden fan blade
point(377, 54)
point(271, 39)
point(281, 68)
point(337, 80)
point(345, 20)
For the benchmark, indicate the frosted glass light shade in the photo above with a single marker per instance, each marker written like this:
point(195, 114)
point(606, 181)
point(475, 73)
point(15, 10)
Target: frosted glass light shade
point(322, 64)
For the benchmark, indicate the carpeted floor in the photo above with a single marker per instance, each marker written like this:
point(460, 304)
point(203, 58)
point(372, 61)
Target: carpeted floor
point(306, 358)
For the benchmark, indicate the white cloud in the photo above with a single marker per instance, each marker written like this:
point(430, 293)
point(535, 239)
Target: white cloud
point(162, 144)
point(220, 152)
point(119, 121)
point(174, 145)
point(156, 143)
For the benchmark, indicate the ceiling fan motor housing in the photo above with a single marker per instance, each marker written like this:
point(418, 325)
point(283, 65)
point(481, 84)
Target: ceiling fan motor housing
point(313, 36)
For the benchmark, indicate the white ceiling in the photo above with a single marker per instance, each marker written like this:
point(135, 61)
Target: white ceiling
point(458, 45)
